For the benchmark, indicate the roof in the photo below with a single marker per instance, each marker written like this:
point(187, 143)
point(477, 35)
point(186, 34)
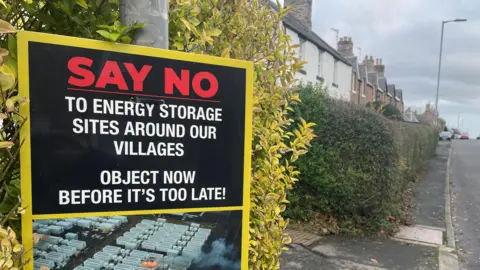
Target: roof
point(399, 93)
point(354, 62)
point(382, 83)
point(391, 89)
point(309, 35)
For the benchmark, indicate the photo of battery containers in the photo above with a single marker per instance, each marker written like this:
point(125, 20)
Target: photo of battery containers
point(180, 241)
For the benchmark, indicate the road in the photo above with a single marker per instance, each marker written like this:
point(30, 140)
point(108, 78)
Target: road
point(465, 178)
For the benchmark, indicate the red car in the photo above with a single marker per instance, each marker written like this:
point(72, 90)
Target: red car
point(464, 137)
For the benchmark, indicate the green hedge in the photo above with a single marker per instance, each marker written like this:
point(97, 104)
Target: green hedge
point(360, 164)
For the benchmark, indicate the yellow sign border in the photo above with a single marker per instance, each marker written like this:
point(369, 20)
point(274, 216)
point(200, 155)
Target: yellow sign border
point(24, 37)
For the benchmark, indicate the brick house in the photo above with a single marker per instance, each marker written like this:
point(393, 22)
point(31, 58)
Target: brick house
point(370, 85)
point(355, 84)
point(399, 99)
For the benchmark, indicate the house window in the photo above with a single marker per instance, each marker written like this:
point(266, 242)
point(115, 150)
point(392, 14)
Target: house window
point(335, 72)
point(302, 49)
point(320, 62)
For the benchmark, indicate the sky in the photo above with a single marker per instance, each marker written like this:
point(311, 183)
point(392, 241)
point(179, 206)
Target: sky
point(406, 35)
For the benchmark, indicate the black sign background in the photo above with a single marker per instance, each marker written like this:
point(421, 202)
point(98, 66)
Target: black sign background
point(63, 160)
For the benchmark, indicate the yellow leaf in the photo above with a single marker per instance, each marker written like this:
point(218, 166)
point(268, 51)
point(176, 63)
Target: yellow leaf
point(11, 234)
point(9, 66)
point(226, 53)
point(6, 27)
point(195, 11)
point(17, 248)
point(215, 32)
point(8, 263)
point(82, 3)
point(7, 81)
point(6, 144)
point(3, 3)
point(179, 46)
point(10, 105)
point(186, 23)
point(5, 242)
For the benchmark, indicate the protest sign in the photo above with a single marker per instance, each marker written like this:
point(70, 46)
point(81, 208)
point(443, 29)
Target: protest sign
point(115, 131)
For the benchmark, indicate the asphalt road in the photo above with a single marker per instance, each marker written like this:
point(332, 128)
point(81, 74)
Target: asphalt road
point(465, 178)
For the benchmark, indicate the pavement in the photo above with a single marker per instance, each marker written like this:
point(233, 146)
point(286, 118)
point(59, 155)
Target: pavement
point(465, 179)
point(417, 247)
point(429, 193)
point(340, 252)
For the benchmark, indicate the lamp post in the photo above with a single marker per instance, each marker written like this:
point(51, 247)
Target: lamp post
point(440, 62)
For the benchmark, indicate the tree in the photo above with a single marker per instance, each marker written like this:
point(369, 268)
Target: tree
point(251, 30)
point(387, 109)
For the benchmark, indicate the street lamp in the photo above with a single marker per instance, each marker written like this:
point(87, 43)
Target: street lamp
point(440, 60)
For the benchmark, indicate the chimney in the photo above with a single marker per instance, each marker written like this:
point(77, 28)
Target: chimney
point(369, 63)
point(345, 46)
point(302, 11)
point(380, 68)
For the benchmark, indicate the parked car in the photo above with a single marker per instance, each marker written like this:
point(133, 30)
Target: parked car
point(445, 136)
point(457, 133)
point(478, 137)
point(464, 136)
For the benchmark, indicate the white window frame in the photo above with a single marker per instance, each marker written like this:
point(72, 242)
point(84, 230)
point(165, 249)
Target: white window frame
point(302, 49)
point(335, 71)
point(320, 64)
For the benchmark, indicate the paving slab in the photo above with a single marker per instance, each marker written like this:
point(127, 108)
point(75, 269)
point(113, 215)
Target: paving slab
point(303, 238)
point(421, 234)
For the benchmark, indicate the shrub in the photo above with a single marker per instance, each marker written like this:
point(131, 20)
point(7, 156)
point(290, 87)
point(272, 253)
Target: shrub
point(360, 164)
point(250, 30)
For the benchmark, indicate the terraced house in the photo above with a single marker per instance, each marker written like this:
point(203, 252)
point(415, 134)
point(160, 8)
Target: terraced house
point(368, 82)
point(324, 64)
point(338, 69)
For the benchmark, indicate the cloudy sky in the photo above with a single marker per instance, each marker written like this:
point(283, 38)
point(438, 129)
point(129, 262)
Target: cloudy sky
point(406, 35)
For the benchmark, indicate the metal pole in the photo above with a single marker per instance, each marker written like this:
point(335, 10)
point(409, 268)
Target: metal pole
point(439, 69)
point(154, 14)
point(336, 39)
